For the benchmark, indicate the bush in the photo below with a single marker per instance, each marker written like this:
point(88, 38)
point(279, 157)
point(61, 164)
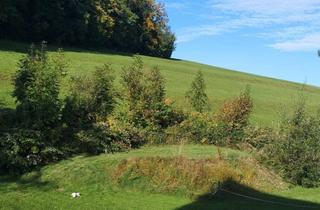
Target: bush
point(195, 129)
point(145, 98)
point(24, 150)
point(296, 153)
point(257, 138)
point(90, 103)
point(98, 140)
point(233, 117)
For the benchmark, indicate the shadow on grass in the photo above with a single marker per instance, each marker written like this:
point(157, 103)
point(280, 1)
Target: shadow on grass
point(25, 182)
point(19, 47)
point(233, 196)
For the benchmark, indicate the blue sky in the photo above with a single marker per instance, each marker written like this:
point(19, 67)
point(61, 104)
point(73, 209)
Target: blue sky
point(275, 38)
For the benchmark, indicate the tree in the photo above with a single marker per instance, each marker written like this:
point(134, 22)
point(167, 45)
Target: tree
point(137, 26)
point(37, 89)
point(155, 87)
point(197, 95)
point(145, 96)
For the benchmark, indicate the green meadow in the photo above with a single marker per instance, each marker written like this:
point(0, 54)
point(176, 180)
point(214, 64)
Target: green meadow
point(51, 187)
point(271, 97)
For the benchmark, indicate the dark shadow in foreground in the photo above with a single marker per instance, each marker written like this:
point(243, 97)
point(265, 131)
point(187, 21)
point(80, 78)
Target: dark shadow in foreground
point(233, 196)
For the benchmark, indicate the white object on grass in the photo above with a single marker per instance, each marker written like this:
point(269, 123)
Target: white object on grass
point(75, 194)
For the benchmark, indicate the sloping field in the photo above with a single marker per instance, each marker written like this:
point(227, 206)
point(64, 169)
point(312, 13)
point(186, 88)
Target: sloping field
point(271, 96)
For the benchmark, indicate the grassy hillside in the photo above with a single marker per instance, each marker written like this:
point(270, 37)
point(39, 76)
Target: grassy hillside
point(270, 96)
point(51, 187)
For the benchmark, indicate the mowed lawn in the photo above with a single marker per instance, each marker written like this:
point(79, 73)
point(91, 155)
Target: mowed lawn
point(271, 97)
point(51, 187)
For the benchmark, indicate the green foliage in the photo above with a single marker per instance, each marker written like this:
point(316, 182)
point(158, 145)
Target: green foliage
point(257, 138)
point(197, 95)
point(98, 139)
point(134, 26)
point(234, 117)
point(91, 101)
point(196, 128)
point(34, 138)
point(145, 96)
point(37, 88)
point(228, 127)
point(24, 150)
point(296, 151)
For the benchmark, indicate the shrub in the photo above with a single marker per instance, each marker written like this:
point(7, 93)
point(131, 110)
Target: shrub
point(145, 97)
point(37, 88)
point(257, 138)
point(296, 153)
point(90, 103)
point(99, 139)
point(197, 95)
point(196, 128)
point(35, 138)
point(24, 150)
point(234, 117)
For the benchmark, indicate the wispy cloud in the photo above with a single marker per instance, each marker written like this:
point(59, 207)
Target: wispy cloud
point(306, 43)
point(175, 5)
point(291, 25)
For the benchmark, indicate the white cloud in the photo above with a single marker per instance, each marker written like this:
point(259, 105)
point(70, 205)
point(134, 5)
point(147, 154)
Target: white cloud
point(291, 24)
point(309, 42)
point(176, 5)
point(266, 6)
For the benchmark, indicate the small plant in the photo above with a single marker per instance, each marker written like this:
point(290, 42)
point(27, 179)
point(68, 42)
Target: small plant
point(197, 95)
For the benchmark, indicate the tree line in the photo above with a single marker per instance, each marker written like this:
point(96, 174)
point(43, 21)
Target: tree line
point(136, 26)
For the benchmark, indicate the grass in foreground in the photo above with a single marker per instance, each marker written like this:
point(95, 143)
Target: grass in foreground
point(51, 187)
point(270, 96)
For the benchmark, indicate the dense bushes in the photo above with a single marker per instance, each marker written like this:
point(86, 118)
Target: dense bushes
point(227, 127)
point(145, 98)
point(137, 26)
point(296, 151)
point(47, 128)
point(36, 137)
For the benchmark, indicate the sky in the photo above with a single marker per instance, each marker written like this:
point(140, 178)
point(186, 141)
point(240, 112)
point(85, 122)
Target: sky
point(274, 38)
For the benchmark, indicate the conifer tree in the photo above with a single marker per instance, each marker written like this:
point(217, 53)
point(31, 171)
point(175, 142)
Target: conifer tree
point(197, 94)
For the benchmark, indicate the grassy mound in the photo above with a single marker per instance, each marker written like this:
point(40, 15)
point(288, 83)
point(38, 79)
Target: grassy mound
point(193, 177)
point(93, 177)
